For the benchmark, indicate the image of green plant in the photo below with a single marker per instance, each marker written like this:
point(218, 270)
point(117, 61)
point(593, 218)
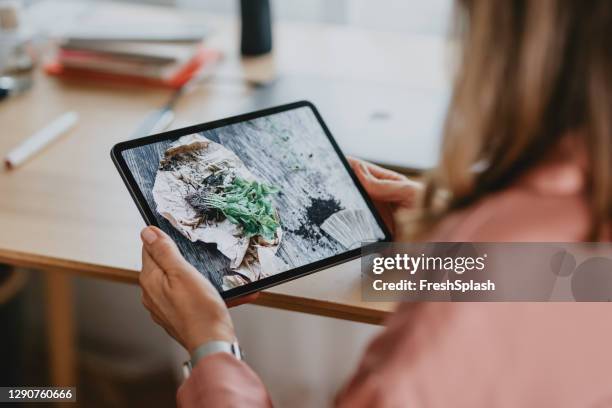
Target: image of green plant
point(246, 203)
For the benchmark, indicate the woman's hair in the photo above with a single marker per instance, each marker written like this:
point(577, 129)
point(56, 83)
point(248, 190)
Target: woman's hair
point(530, 71)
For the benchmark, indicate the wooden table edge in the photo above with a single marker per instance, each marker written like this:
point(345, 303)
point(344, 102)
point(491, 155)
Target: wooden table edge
point(268, 299)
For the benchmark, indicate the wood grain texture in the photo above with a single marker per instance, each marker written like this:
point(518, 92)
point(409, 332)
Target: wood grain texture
point(67, 209)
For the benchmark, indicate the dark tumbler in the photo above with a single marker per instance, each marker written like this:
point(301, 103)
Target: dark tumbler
point(256, 38)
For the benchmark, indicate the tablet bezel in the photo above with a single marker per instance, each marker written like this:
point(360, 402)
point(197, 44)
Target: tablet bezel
point(149, 217)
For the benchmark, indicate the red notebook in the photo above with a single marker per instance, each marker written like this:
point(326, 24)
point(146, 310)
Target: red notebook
point(176, 79)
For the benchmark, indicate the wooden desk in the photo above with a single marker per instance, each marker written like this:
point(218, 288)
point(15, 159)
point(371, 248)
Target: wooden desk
point(67, 211)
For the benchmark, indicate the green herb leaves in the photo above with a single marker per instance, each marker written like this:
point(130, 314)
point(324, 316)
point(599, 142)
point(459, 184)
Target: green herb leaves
point(246, 203)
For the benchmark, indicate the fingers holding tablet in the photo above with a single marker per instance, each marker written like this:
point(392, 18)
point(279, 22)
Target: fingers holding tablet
point(385, 185)
point(164, 252)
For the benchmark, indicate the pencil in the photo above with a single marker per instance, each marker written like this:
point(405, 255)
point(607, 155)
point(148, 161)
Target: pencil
point(40, 139)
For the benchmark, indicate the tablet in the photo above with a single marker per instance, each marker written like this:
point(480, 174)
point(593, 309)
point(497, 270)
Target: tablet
point(253, 200)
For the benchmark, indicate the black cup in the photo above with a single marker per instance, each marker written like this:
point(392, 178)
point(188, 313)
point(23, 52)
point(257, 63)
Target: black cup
point(256, 38)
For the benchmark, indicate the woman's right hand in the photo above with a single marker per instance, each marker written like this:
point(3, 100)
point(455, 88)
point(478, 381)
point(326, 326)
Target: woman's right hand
point(390, 191)
point(180, 299)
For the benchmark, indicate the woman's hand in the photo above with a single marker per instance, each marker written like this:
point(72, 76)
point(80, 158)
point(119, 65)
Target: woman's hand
point(390, 191)
point(179, 298)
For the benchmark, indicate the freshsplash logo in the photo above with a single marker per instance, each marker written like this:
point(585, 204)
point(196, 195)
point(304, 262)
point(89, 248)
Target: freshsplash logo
point(425, 266)
point(487, 272)
point(426, 271)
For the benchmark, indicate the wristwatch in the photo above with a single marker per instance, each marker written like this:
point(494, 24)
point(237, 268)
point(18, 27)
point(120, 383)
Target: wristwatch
point(211, 347)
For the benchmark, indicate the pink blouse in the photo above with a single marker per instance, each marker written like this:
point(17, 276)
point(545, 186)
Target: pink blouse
point(470, 354)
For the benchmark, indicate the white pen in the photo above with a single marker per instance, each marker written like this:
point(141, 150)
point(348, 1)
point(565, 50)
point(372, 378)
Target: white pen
point(40, 139)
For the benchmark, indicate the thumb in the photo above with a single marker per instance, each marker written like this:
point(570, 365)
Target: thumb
point(163, 250)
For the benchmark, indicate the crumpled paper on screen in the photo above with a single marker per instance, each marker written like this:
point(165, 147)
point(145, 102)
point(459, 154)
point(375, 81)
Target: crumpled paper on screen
point(169, 192)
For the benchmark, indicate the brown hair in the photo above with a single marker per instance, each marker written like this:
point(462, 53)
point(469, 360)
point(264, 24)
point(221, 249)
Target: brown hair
point(530, 71)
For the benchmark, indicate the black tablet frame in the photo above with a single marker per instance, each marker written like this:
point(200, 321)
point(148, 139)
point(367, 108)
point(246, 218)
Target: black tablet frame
point(149, 217)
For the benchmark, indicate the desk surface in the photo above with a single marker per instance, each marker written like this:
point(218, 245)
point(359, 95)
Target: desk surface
point(67, 209)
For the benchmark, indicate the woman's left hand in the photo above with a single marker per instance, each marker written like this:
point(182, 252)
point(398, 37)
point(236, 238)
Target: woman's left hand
point(390, 191)
point(180, 298)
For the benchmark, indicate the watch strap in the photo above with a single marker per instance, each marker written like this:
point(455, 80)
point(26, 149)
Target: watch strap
point(215, 346)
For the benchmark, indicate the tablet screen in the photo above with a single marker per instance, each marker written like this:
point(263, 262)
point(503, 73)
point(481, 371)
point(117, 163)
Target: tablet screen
point(253, 199)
